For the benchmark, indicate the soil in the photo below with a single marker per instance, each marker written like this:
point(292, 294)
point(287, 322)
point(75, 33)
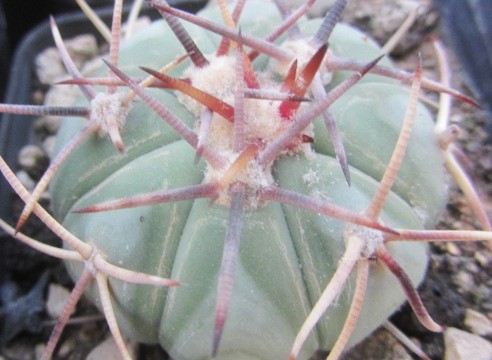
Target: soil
point(459, 276)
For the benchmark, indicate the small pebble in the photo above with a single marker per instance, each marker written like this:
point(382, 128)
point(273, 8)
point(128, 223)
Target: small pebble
point(49, 67)
point(49, 144)
point(67, 347)
point(61, 95)
point(108, 350)
point(478, 323)
point(38, 351)
point(453, 249)
point(26, 180)
point(57, 298)
point(33, 160)
point(471, 267)
point(38, 97)
point(81, 48)
point(464, 281)
point(462, 345)
point(482, 258)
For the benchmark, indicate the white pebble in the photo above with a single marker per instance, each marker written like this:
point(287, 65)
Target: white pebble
point(108, 350)
point(462, 345)
point(478, 323)
point(57, 298)
point(26, 180)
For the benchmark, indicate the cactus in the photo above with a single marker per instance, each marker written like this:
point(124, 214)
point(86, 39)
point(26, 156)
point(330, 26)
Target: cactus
point(227, 177)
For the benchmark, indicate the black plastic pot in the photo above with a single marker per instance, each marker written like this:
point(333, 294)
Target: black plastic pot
point(4, 52)
point(23, 15)
point(468, 28)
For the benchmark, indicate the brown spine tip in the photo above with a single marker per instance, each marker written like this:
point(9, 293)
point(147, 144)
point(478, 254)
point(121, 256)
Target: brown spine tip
point(301, 86)
point(215, 104)
point(411, 293)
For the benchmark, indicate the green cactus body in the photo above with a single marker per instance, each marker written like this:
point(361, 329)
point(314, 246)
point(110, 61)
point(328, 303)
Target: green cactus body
point(287, 255)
